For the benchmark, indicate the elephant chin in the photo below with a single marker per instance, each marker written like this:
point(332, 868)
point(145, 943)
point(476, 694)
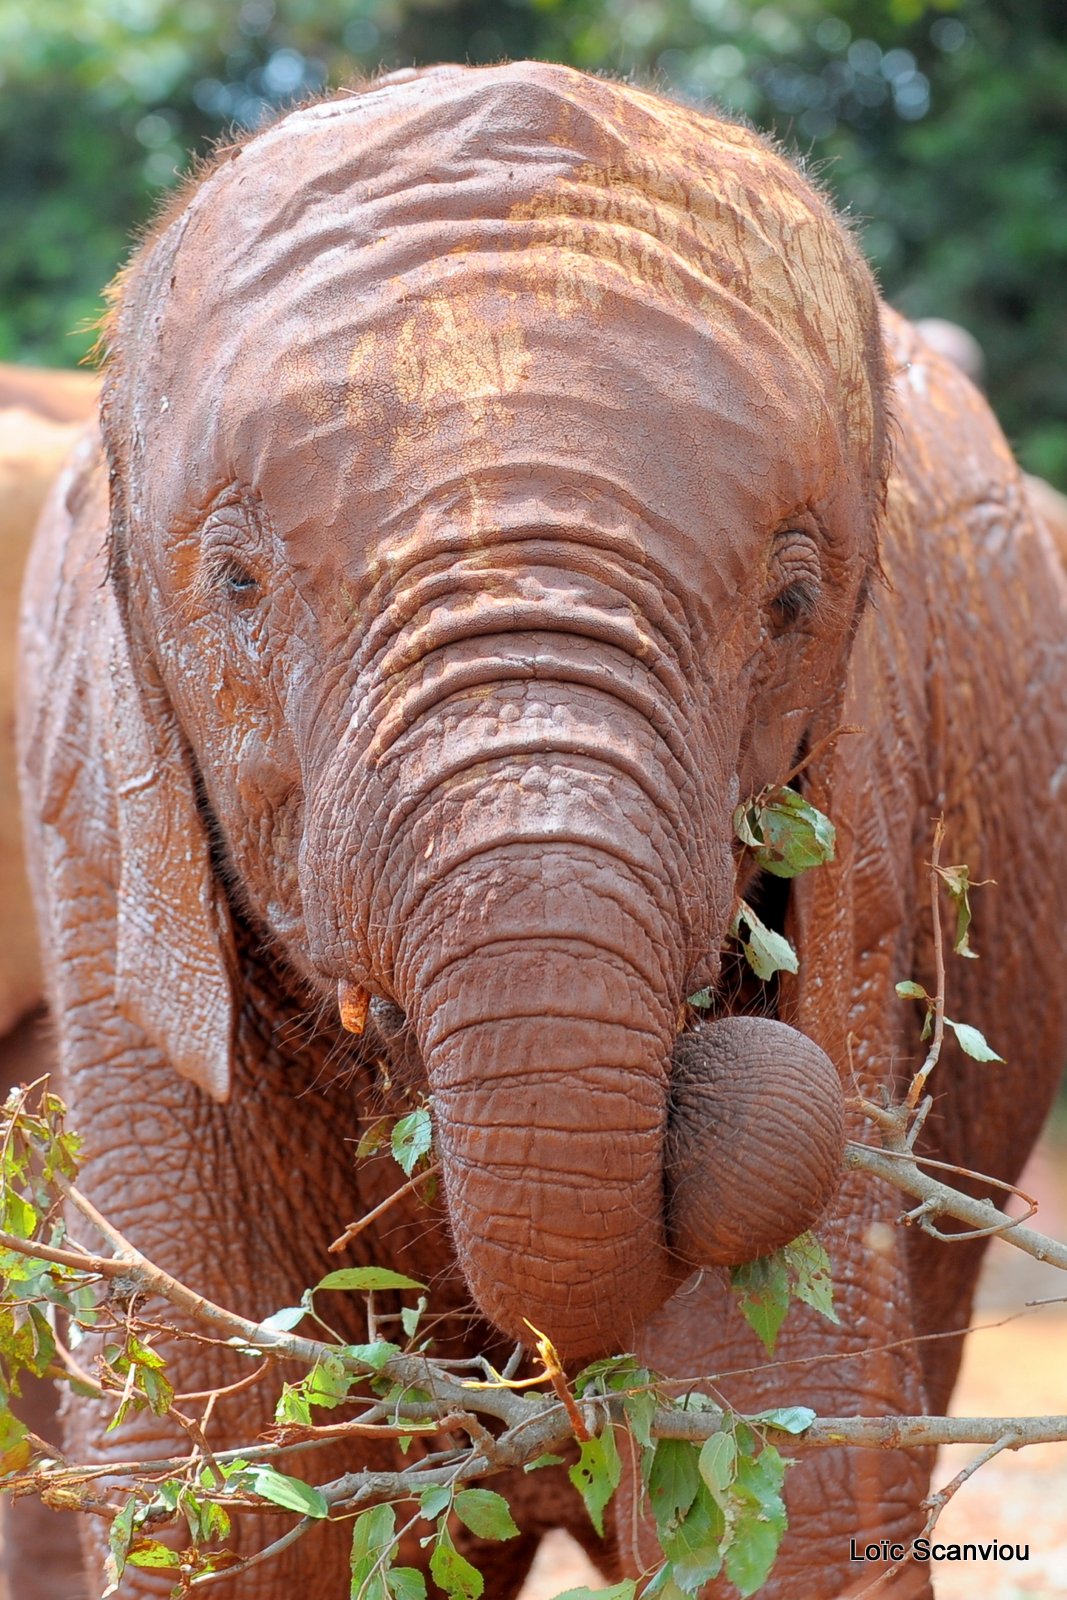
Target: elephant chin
point(755, 1139)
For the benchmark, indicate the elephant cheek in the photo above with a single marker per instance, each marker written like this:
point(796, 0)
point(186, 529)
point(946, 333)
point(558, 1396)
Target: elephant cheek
point(755, 1139)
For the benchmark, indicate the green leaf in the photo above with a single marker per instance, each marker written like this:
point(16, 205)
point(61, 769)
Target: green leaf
point(373, 1355)
point(412, 1139)
point(143, 1355)
point(15, 1449)
point(19, 1217)
point(717, 1462)
point(373, 1536)
point(44, 1344)
point(119, 1538)
point(618, 1591)
point(972, 1042)
point(809, 1266)
point(640, 1409)
point(760, 1519)
point(328, 1383)
point(285, 1320)
point(702, 1000)
point(158, 1391)
point(293, 1406)
point(957, 880)
point(694, 1548)
point(367, 1278)
point(762, 1290)
point(908, 989)
point(543, 1461)
point(598, 1375)
point(791, 1419)
point(786, 834)
point(766, 952)
point(759, 1479)
point(663, 1586)
point(291, 1493)
point(433, 1501)
point(672, 1482)
point(150, 1553)
point(411, 1315)
point(751, 1553)
point(596, 1475)
point(452, 1572)
point(406, 1583)
point(485, 1513)
point(373, 1530)
point(373, 1139)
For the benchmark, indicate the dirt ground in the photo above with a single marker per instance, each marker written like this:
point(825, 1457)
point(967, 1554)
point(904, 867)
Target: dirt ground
point(1014, 1365)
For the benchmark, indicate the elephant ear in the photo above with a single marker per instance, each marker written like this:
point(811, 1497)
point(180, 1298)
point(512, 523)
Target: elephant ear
point(175, 945)
point(108, 776)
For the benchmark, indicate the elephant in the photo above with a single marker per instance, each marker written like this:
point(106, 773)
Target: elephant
point(503, 473)
point(41, 414)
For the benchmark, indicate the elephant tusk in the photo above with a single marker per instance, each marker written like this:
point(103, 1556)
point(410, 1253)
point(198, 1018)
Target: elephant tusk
point(353, 1003)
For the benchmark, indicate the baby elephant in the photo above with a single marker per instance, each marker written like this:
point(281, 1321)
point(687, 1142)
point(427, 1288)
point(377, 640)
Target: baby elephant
point(503, 473)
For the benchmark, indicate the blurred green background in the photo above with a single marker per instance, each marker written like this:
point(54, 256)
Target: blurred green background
point(942, 129)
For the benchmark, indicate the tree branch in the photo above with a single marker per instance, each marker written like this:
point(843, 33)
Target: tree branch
point(901, 1168)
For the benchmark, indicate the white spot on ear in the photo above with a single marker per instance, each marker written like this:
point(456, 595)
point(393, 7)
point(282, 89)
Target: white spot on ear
point(164, 404)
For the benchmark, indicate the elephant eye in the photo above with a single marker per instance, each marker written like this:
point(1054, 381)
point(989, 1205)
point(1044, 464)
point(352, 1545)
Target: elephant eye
point(793, 604)
point(795, 581)
point(237, 583)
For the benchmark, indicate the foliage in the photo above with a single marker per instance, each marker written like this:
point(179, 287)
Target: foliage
point(715, 1499)
point(785, 832)
point(765, 1287)
point(709, 1479)
point(942, 127)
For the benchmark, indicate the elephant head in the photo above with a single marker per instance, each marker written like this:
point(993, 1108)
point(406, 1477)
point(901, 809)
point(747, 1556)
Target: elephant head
point(496, 459)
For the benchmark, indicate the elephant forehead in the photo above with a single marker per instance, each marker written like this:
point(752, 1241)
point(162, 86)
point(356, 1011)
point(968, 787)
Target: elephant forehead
point(521, 156)
point(427, 243)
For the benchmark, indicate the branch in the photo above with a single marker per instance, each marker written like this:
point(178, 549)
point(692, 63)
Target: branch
point(918, 1082)
point(901, 1168)
point(934, 1504)
point(357, 1227)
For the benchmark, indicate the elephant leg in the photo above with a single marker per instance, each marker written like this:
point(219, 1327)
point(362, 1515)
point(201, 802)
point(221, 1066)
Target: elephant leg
point(39, 1554)
point(856, 1367)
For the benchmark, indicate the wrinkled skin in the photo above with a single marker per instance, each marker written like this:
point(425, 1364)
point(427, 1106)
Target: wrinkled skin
point(40, 413)
point(40, 416)
point(499, 480)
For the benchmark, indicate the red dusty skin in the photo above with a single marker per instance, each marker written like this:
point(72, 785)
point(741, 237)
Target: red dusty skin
point(548, 1059)
point(526, 897)
point(755, 1140)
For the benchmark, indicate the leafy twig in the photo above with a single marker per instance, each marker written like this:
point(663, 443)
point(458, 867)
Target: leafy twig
point(354, 1229)
point(918, 1082)
point(899, 1166)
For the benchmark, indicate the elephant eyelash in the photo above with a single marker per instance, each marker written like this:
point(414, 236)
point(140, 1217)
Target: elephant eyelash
point(237, 580)
point(228, 577)
point(797, 602)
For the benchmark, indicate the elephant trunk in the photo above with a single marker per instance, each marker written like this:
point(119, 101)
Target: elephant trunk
point(548, 1056)
point(543, 867)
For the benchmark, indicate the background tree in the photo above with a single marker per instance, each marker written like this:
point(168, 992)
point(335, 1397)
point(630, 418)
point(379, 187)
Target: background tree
point(942, 128)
